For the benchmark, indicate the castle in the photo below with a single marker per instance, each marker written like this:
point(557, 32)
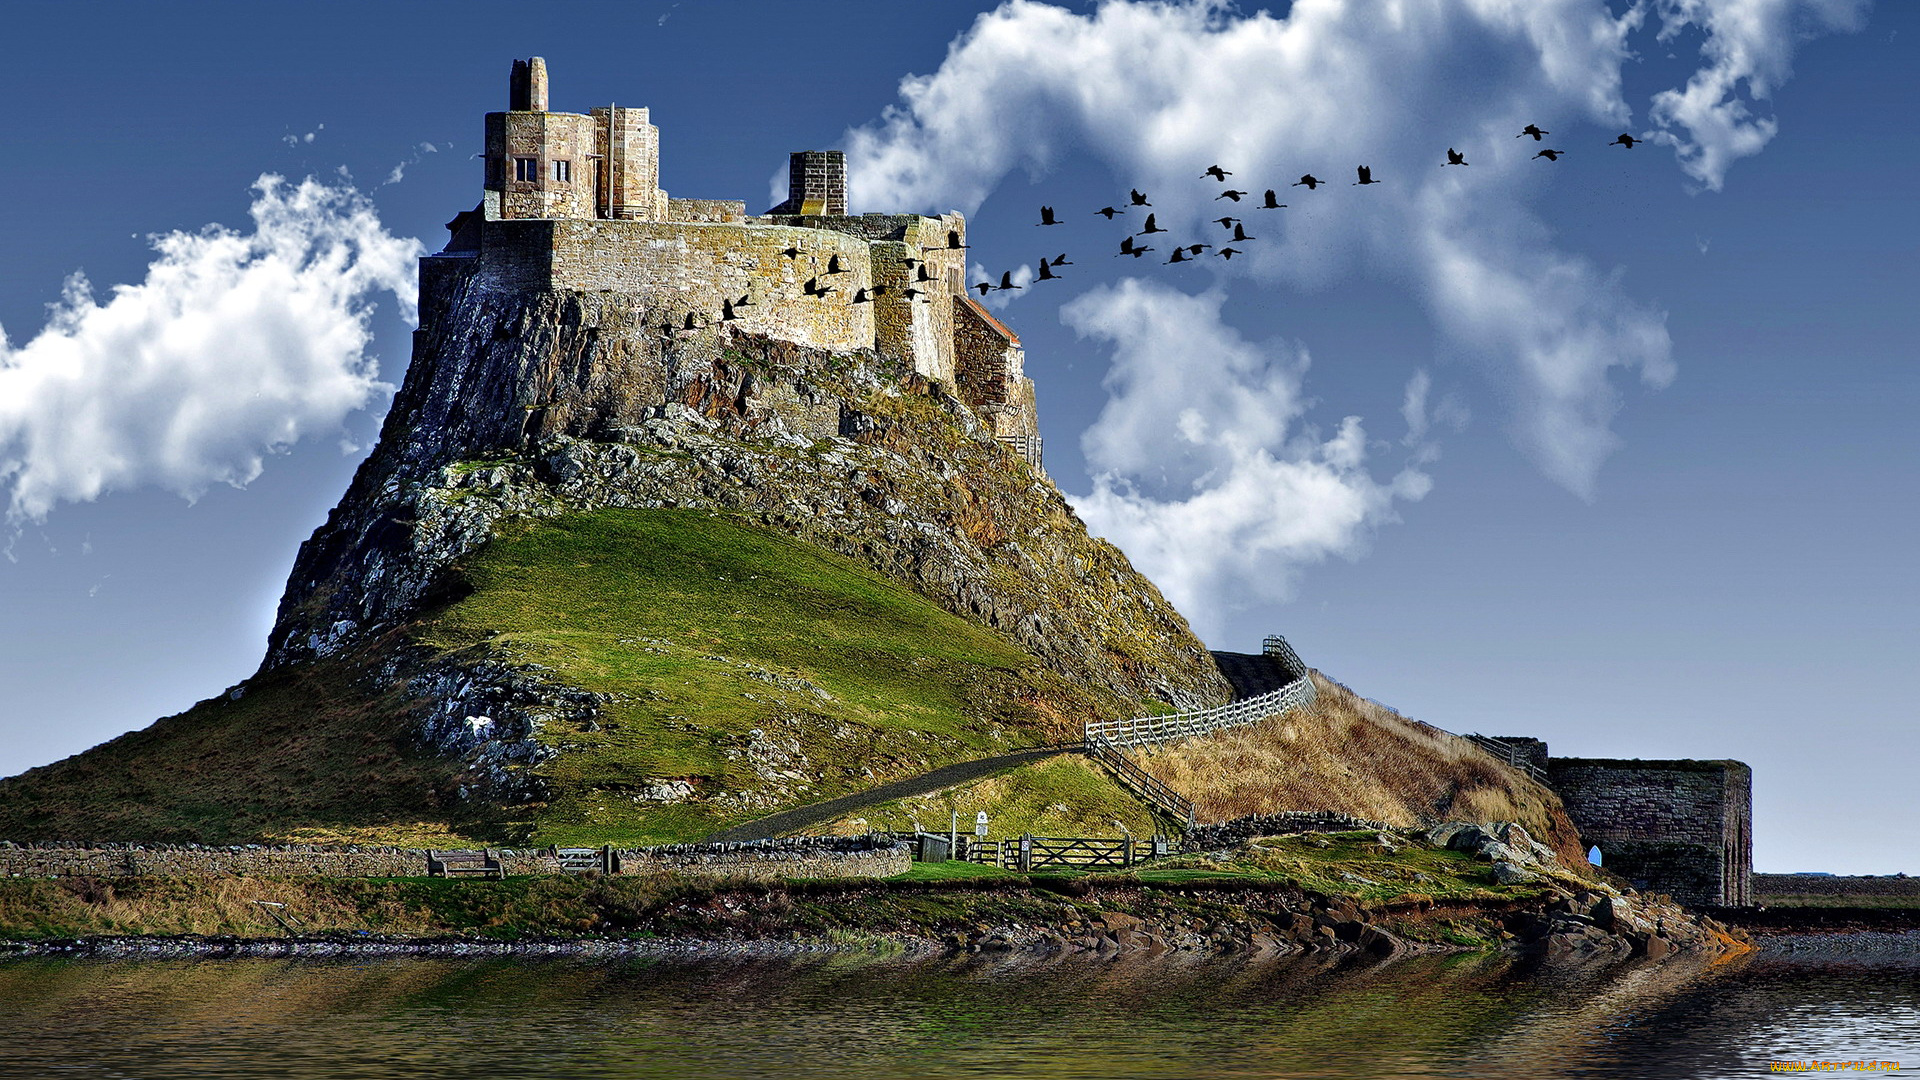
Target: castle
point(572, 202)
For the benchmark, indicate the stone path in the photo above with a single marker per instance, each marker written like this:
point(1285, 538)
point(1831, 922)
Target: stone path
point(803, 817)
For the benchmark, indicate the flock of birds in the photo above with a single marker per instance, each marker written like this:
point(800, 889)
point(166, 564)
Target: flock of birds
point(1129, 246)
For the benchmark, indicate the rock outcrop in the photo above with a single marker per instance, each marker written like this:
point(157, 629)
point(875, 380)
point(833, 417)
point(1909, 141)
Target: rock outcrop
point(522, 406)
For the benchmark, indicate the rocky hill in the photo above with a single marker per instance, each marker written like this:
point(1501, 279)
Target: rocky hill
point(597, 580)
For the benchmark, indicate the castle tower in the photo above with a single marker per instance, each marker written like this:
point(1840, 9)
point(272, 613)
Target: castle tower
point(540, 164)
point(545, 164)
point(629, 148)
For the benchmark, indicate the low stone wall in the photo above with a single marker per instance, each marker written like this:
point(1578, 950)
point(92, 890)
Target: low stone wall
point(763, 860)
point(1239, 830)
point(1765, 885)
point(807, 857)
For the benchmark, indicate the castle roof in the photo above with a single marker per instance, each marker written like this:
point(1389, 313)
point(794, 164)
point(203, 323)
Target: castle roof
point(998, 326)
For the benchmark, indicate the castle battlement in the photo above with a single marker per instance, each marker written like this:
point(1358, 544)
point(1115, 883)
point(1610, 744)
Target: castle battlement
point(571, 201)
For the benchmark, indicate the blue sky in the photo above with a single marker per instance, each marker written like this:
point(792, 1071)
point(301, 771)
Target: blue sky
point(1633, 468)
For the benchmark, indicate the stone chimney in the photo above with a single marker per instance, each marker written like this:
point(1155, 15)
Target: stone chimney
point(527, 89)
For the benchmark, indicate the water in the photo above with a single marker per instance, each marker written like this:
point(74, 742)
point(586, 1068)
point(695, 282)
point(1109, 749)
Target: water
point(853, 1016)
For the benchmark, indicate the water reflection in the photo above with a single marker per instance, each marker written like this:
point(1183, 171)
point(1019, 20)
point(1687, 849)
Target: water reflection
point(873, 1017)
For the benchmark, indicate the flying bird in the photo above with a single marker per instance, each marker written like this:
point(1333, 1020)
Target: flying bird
point(912, 294)
point(862, 296)
point(726, 310)
point(1626, 140)
point(953, 242)
point(1455, 157)
point(985, 287)
point(814, 288)
point(1179, 256)
point(1195, 249)
point(1226, 222)
point(1061, 260)
point(1228, 253)
point(1309, 182)
point(922, 274)
point(1550, 154)
point(1046, 216)
point(1366, 176)
point(1532, 130)
point(1151, 227)
point(1240, 235)
point(1217, 173)
point(1229, 194)
point(1108, 212)
point(791, 253)
point(834, 267)
point(1006, 282)
point(1273, 202)
point(692, 323)
point(910, 262)
point(1138, 199)
point(1046, 272)
point(1127, 248)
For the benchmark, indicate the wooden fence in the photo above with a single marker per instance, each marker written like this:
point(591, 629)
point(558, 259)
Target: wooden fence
point(1145, 730)
point(1030, 853)
point(1142, 782)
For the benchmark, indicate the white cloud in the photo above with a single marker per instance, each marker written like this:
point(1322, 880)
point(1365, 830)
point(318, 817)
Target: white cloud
point(1155, 90)
point(1204, 472)
point(235, 346)
point(1748, 46)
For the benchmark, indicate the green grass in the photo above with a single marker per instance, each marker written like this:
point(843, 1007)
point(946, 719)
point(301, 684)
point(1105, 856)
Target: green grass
point(762, 670)
point(955, 871)
point(1059, 796)
point(703, 630)
point(1344, 864)
point(309, 753)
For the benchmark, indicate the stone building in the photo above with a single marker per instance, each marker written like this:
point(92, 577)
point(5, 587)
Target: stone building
point(1682, 827)
point(572, 202)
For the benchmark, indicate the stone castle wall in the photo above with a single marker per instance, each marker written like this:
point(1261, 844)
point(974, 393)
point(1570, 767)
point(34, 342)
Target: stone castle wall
point(835, 858)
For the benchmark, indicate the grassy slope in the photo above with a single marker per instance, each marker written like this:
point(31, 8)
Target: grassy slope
point(702, 630)
point(1063, 796)
point(305, 753)
point(1348, 754)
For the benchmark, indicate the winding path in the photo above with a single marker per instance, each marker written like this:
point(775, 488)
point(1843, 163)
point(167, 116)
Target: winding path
point(802, 817)
point(1258, 680)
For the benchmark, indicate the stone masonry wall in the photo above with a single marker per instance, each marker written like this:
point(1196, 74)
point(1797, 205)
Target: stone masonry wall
point(546, 137)
point(766, 861)
point(1680, 827)
point(907, 251)
point(711, 211)
point(692, 267)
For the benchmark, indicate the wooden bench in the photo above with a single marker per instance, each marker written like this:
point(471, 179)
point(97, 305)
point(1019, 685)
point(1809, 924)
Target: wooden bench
point(449, 864)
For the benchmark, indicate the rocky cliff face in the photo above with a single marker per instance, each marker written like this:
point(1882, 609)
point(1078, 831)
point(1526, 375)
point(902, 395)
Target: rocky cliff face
point(524, 405)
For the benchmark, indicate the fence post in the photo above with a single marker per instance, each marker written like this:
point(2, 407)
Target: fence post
point(1026, 853)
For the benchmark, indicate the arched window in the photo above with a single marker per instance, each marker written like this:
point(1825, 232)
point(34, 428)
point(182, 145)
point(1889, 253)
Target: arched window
point(1593, 855)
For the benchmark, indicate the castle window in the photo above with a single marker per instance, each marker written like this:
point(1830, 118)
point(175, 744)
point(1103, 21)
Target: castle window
point(563, 172)
point(526, 169)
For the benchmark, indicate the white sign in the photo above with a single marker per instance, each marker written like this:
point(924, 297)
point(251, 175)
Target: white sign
point(980, 823)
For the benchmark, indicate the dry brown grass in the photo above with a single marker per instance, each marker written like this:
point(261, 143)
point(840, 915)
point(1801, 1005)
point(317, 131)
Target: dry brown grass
point(1353, 756)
